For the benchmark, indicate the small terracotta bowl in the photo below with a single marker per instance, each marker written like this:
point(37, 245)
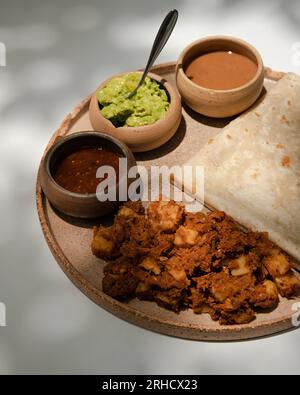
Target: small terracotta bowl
point(76, 204)
point(219, 103)
point(141, 138)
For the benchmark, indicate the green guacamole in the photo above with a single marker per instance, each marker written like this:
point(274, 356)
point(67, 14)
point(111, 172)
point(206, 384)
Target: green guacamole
point(150, 103)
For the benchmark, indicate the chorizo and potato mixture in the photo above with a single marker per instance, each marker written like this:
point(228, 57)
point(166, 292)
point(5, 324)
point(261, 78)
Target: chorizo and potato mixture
point(182, 260)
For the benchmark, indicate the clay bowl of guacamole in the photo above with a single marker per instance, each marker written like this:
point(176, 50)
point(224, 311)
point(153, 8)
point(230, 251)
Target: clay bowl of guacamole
point(144, 122)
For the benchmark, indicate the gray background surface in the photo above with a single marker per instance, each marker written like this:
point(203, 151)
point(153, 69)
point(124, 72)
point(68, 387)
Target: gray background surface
point(57, 53)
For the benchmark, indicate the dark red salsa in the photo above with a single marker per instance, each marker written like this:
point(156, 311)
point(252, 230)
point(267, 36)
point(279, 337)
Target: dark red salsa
point(77, 171)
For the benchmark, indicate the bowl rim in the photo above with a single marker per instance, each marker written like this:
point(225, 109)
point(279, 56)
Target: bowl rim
point(236, 40)
point(64, 140)
point(171, 91)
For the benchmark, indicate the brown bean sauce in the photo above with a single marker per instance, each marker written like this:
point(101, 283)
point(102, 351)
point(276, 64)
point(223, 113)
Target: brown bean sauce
point(221, 70)
point(77, 171)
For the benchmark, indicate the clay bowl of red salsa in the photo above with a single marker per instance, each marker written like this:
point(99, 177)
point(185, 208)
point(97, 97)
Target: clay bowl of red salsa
point(69, 173)
point(220, 76)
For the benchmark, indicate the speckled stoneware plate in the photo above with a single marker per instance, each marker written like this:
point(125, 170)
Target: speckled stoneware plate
point(69, 240)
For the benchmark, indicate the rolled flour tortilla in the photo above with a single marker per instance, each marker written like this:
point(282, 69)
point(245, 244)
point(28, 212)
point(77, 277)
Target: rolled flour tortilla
point(252, 168)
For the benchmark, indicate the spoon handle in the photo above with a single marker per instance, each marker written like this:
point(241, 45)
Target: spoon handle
point(162, 37)
point(160, 41)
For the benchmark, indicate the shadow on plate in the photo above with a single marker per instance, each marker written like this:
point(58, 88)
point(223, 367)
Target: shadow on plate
point(212, 122)
point(86, 223)
point(167, 148)
point(219, 122)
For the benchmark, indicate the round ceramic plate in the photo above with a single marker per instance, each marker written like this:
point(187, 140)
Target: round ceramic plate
point(69, 239)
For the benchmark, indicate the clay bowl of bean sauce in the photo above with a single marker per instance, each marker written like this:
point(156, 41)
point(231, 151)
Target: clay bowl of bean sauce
point(70, 178)
point(220, 76)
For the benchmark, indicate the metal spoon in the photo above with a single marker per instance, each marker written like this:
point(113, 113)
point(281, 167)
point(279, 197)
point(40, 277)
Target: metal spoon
point(160, 41)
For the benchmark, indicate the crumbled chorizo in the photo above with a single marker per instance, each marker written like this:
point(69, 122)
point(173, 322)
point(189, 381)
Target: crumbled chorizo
point(205, 262)
point(119, 281)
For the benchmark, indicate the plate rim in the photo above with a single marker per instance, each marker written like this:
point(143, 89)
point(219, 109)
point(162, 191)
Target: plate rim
point(123, 310)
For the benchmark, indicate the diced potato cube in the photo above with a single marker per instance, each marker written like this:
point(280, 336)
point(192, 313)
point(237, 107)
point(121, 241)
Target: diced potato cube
point(176, 270)
point(288, 285)
point(239, 267)
point(102, 245)
point(151, 265)
point(277, 263)
point(126, 212)
point(186, 237)
point(265, 295)
point(165, 216)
